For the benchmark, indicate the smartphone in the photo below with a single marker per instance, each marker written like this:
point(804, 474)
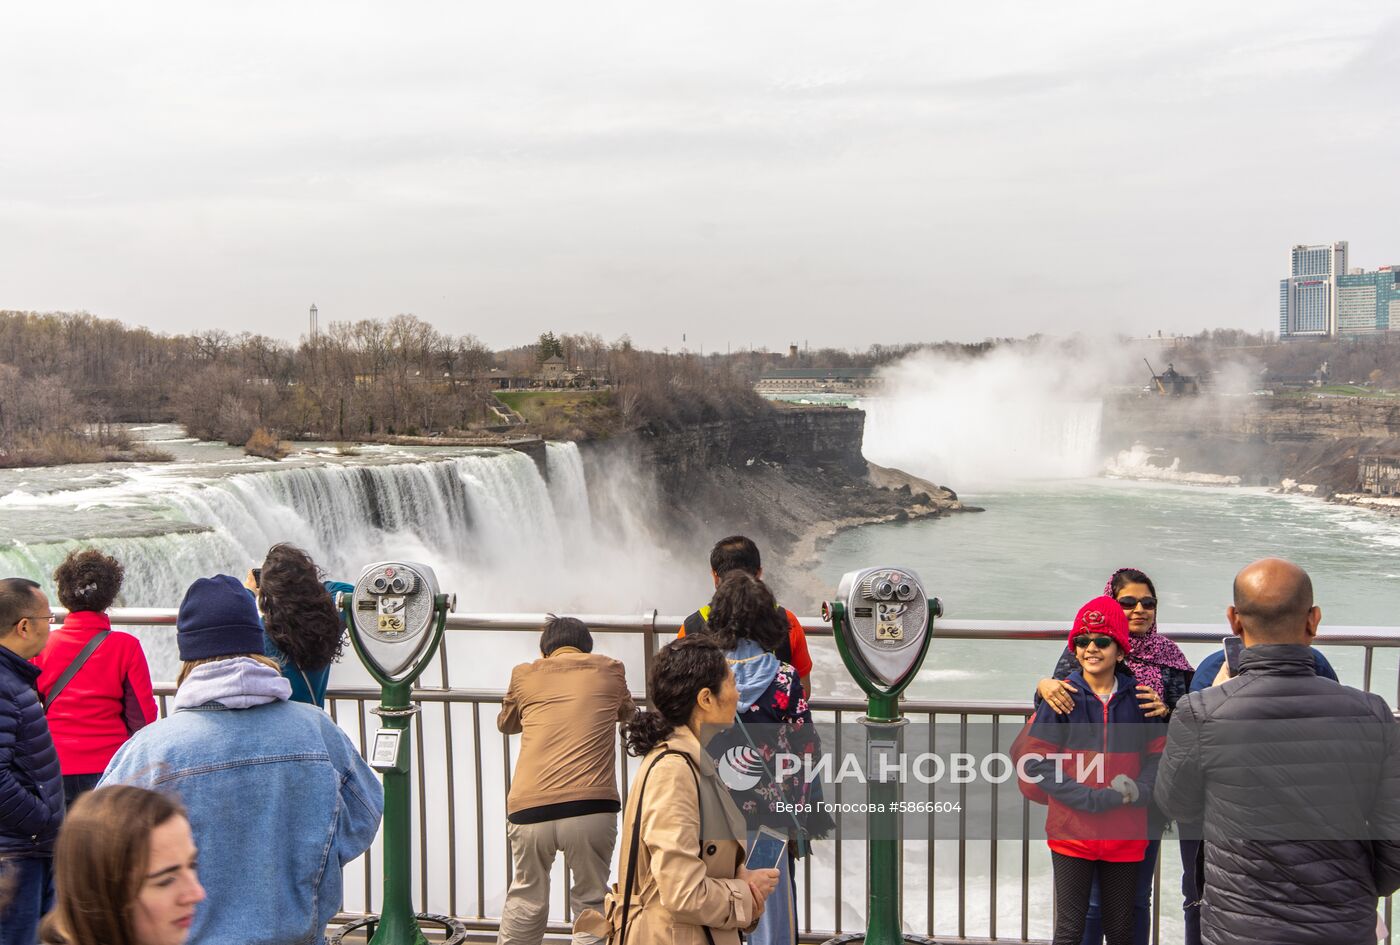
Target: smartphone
point(1234, 646)
point(257, 576)
point(767, 850)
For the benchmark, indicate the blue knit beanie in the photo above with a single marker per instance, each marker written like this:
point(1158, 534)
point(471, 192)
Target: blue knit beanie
point(218, 617)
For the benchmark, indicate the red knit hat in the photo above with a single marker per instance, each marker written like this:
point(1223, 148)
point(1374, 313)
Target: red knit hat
point(1103, 616)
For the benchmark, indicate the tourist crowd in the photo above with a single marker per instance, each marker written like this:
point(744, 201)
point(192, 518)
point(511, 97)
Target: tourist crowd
point(229, 820)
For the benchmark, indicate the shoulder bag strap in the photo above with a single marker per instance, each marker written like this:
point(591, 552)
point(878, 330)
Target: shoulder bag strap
point(773, 779)
point(636, 841)
point(63, 680)
point(634, 845)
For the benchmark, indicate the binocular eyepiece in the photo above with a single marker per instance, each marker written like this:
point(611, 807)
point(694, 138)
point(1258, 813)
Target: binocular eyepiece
point(391, 583)
point(890, 587)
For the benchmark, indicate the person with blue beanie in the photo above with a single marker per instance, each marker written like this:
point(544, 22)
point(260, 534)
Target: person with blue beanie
point(265, 780)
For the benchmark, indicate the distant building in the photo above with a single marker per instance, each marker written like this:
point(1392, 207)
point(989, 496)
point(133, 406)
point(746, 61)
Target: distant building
point(815, 380)
point(553, 369)
point(505, 380)
point(1378, 475)
point(1323, 297)
point(1308, 297)
point(1368, 302)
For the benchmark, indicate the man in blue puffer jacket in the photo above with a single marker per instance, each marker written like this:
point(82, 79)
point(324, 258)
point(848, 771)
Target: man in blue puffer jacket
point(31, 784)
point(278, 798)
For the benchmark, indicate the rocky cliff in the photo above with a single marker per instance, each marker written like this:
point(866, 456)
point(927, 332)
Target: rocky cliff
point(789, 478)
point(1263, 440)
point(797, 437)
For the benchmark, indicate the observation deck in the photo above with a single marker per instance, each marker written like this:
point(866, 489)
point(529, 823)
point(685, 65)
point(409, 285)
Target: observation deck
point(985, 877)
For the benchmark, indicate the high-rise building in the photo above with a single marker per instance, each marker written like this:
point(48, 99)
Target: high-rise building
point(1308, 297)
point(1368, 302)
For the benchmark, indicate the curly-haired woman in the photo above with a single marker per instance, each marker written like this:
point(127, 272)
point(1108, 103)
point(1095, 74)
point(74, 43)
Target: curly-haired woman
point(302, 629)
point(106, 698)
point(681, 870)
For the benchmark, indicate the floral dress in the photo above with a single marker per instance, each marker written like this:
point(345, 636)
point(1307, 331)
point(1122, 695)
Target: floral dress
point(778, 722)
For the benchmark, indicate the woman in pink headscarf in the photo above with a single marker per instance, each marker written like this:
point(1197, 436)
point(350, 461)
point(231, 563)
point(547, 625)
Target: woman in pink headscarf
point(1162, 671)
point(1163, 676)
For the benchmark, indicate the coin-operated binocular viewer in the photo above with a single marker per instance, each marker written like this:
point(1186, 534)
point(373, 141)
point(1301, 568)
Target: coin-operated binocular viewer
point(883, 620)
point(396, 616)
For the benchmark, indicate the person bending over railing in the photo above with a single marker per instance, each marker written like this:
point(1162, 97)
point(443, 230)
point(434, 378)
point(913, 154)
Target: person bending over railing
point(564, 794)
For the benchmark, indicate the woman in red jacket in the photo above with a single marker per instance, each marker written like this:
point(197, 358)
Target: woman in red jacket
point(108, 698)
point(1094, 766)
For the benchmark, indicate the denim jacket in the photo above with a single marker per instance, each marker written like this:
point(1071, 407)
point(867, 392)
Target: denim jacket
point(278, 799)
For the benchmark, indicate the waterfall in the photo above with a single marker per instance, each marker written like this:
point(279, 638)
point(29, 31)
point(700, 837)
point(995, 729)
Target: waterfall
point(568, 490)
point(495, 531)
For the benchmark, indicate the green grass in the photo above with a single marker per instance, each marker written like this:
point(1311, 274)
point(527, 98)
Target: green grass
point(536, 405)
point(1344, 390)
point(523, 400)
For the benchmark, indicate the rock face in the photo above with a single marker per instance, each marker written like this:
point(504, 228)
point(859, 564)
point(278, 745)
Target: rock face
point(1263, 440)
point(805, 437)
point(789, 479)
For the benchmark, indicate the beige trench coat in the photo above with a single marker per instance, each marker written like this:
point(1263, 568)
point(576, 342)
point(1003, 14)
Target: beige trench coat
point(682, 884)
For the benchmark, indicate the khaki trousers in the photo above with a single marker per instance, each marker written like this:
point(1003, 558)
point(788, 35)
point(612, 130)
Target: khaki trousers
point(587, 844)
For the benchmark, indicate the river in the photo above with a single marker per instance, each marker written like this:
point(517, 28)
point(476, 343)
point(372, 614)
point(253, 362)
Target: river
point(506, 535)
point(1040, 551)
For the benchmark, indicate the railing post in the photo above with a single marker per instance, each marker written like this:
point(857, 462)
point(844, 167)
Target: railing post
point(648, 645)
point(397, 923)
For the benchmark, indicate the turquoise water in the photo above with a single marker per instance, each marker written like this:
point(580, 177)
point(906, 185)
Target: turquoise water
point(1039, 552)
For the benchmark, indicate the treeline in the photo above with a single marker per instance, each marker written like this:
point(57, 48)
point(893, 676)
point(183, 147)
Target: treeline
point(73, 375)
point(1364, 360)
point(50, 367)
point(394, 376)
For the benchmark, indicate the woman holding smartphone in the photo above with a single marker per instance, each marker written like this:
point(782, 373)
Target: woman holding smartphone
point(681, 868)
point(302, 628)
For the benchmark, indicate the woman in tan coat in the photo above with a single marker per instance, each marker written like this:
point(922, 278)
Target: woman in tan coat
point(681, 830)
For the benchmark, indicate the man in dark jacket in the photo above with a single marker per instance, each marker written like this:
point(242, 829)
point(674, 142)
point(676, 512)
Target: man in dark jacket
point(31, 785)
point(1295, 778)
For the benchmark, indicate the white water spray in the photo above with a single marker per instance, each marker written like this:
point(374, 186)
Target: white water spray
point(973, 424)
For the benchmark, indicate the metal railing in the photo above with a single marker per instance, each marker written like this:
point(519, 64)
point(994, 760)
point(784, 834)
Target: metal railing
point(455, 723)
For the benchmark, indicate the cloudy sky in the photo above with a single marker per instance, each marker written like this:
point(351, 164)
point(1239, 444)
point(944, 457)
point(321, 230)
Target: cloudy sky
point(743, 173)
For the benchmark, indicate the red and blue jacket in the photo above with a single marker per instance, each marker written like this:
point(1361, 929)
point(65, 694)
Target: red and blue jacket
point(1069, 761)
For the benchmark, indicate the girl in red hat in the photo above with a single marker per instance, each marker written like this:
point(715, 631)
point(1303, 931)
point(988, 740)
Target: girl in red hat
point(1094, 767)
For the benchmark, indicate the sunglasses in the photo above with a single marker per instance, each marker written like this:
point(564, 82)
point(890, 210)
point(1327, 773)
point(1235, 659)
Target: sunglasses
point(1130, 603)
point(1083, 640)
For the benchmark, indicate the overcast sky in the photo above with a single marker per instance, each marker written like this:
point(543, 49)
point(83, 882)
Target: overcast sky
point(747, 173)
